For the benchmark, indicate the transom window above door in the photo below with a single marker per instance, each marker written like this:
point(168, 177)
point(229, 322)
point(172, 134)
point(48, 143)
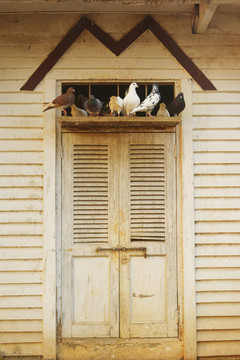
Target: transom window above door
point(104, 91)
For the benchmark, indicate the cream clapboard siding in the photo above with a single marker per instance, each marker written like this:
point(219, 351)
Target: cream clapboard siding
point(217, 195)
point(21, 194)
point(25, 41)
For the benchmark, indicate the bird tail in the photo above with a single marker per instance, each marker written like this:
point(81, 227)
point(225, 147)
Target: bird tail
point(50, 106)
point(135, 110)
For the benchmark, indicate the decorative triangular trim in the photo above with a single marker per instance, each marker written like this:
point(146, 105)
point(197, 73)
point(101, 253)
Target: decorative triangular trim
point(117, 47)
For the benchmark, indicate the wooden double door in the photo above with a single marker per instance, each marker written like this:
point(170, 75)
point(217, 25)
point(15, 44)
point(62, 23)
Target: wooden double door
point(119, 267)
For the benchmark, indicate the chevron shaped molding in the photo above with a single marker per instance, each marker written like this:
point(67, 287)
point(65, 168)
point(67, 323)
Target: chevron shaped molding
point(117, 47)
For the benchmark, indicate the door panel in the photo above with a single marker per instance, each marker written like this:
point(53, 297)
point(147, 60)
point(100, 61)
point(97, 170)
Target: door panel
point(148, 209)
point(90, 215)
point(119, 204)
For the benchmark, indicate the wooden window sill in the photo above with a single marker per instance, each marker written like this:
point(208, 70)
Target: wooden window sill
point(91, 123)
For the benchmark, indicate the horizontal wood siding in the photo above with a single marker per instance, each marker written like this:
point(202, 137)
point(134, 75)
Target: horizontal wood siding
point(25, 42)
point(217, 198)
point(21, 195)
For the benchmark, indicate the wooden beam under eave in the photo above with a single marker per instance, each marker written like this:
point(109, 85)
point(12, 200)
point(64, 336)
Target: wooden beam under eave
point(202, 15)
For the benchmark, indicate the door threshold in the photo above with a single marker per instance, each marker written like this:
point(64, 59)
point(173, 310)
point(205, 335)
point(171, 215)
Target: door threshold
point(120, 349)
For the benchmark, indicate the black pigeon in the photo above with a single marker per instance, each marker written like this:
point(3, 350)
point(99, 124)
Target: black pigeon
point(177, 105)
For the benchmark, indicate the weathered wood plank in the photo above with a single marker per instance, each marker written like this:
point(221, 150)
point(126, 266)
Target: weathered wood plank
point(21, 109)
point(220, 322)
point(215, 122)
point(216, 134)
point(214, 297)
point(15, 338)
point(21, 241)
point(21, 204)
point(123, 121)
point(215, 287)
point(203, 15)
point(21, 229)
point(212, 274)
point(26, 264)
point(230, 309)
point(21, 193)
point(21, 133)
point(19, 217)
point(100, 75)
point(24, 277)
point(217, 180)
point(21, 326)
point(20, 289)
point(22, 349)
point(216, 227)
point(20, 181)
point(214, 250)
point(217, 215)
point(12, 97)
point(224, 348)
point(215, 157)
point(219, 191)
point(21, 253)
point(14, 85)
point(218, 335)
point(217, 169)
point(223, 85)
point(217, 261)
point(212, 109)
point(20, 301)
point(76, 63)
point(21, 122)
point(21, 145)
point(217, 238)
point(21, 169)
point(215, 98)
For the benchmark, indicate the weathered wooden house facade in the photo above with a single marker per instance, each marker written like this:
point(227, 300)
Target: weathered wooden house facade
point(77, 281)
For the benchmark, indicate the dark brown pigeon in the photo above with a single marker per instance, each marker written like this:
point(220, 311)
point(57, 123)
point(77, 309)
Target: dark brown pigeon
point(63, 101)
point(177, 105)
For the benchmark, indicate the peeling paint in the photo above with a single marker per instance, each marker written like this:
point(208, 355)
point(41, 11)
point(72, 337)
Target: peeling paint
point(142, 295)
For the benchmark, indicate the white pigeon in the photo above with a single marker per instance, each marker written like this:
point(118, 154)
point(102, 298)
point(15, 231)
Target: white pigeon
point(116, 104)
point(131, 100)
point(75, 111)
point(150, 102)
point(163, 111)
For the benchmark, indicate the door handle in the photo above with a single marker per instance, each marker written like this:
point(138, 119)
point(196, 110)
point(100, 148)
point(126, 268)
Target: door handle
point(122, 248)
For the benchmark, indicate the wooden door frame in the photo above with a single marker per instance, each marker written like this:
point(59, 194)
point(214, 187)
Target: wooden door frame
point(52, 224)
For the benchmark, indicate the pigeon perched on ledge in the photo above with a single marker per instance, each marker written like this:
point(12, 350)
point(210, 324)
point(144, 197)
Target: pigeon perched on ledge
point(75, 111)
point(63, 101)
point(163, 111)
point(150, 102)
point(177, 105)
point(116, 104)
point(92, 105)
point(131, 100)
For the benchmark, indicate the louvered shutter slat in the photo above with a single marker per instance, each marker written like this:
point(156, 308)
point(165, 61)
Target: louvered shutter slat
point(90, 193)
point(147, 192)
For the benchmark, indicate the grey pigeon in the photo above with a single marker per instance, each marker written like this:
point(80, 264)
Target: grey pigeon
point(92, 105)
point(150, 102)
point(177, 105)
point(131, 99)
point(63, 101)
